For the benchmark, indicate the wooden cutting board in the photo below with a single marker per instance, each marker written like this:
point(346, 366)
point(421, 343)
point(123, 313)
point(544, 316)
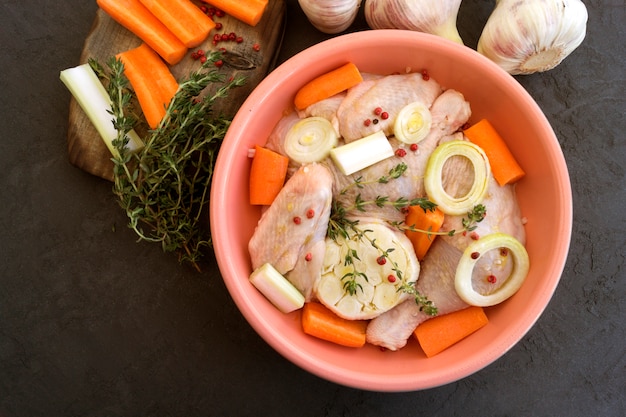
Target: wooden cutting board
point(86, 149)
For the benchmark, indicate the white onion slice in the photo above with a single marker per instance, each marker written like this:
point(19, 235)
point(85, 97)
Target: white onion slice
point(310, 140)
point(433, 177)
point(472, 254)
point(412, 123)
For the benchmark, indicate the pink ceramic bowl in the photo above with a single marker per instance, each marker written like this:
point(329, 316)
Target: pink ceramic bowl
point(544, 194)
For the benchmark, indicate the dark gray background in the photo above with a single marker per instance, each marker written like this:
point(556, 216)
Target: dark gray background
point(94, 324)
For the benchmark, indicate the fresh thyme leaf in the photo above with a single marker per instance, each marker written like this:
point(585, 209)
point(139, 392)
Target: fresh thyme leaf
point(164, 188)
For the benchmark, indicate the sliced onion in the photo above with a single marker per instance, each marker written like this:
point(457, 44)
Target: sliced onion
point(433, 177)
point(310, 140)
point(412, 123)
point(465, 268)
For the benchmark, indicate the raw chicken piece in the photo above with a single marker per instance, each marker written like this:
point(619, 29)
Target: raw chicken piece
point(391, 94)
point(392, 329)
point(449, 112)
point(284, 241)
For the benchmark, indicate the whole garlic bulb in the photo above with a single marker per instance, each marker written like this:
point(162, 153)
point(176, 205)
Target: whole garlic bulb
point(330, 16)
point(437, 17)
point(524, 37)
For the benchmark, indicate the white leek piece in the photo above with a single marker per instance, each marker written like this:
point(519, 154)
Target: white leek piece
point(362, 153)
point(433, 182)
point(93, 98)
point(412, 123)
point(310, 140)
point(472, 254)
point(276, 288)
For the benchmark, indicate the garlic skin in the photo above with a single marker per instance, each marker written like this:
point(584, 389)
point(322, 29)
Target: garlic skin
point(524, 37)
point(330, 16)
point(437, 17)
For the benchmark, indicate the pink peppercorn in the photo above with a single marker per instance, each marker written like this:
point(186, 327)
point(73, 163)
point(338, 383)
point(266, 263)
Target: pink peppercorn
point(400, 152)
point(381, 260)
point(308, 257)
point(391, 278)
point(297, 220)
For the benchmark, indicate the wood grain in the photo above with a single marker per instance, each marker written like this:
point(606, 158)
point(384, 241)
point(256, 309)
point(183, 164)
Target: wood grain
point(87, 151)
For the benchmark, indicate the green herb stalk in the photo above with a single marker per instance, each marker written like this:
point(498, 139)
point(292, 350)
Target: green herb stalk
point(164, 188)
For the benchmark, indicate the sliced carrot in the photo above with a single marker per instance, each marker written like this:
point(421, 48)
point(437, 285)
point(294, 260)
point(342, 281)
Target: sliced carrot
point(248, 11)
point(267, 175)
point(439, 333)
point(135, 17)
point(426, 220)
point(327, 85)
point(152, 81)
point(320, 322)
point(183, 18)
point(505, 168)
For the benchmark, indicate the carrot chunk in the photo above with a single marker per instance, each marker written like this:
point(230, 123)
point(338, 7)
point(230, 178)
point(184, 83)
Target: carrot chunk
point(320, 322)
point(327, 85)
point(150, 77)
point(183, 18)
point(267, 175)
point(248, 11)
point(424, 221)
point(135, 17)
point(439, 333)
point(505, 168)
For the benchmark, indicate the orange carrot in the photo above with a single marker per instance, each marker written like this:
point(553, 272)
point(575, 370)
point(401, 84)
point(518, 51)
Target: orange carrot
point(183, 18)
point(267, 175)
point(505, 168)
point(152, 81)
point(248, 11)
point(327, 85)
point(426, 220)
point(136, 18)
point(319, 321)
point(439, 333)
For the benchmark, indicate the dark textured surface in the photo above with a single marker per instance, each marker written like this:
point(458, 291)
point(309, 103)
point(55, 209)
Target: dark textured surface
point(94, 324)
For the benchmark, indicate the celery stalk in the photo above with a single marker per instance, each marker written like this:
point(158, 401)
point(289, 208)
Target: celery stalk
point(93, 98)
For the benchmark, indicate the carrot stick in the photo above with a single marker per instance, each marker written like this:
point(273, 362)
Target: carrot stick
point(248, 11)
point(136, 18)
point(320, 322)
point(183, 18)
point(505, 168)
point(327, 85)
point(426, 220)
point(152, 81)
point(267, 175)
point(439, 333)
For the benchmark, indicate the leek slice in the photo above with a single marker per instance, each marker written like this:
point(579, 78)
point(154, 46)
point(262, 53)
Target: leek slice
point(463, 276)
point(310, 140)
point(433, 181)
point(93, 98)
point(412, 123)
point(276, 288)
point(362, 153)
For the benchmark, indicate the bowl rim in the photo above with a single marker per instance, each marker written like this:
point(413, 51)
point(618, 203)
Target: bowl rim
point(286, 347)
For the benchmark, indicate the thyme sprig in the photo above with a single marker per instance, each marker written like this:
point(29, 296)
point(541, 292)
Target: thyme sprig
point(164, 188)
point(425, 305)
point(394, 173)
point(469, 223)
